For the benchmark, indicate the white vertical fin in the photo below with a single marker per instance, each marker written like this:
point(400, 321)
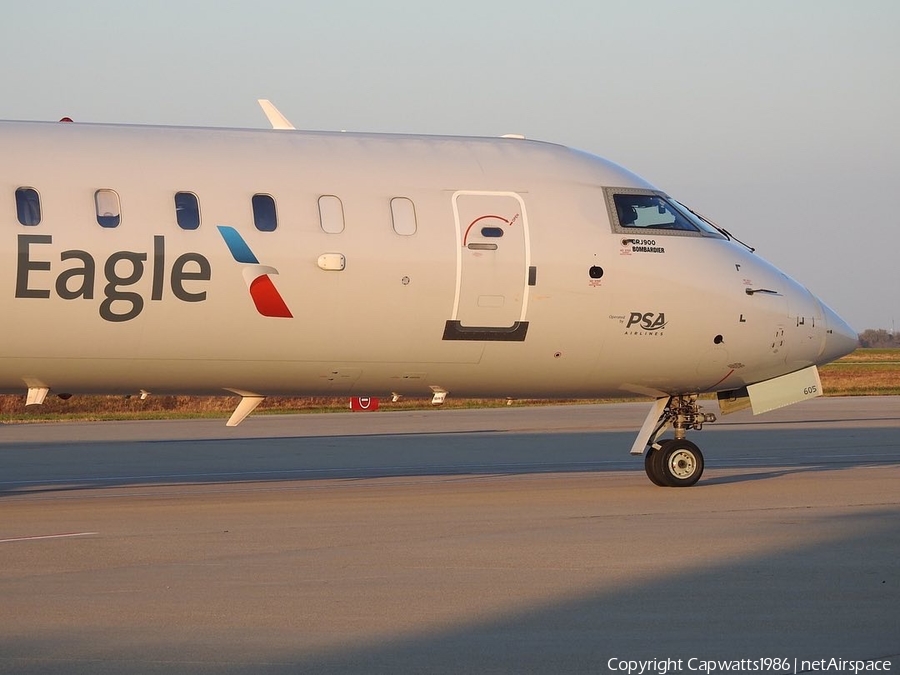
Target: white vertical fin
point(276, 119)
point(36, 395)
point(245, 407)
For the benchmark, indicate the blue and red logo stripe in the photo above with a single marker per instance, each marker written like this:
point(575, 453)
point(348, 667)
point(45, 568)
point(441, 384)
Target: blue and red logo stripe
point(266, 298)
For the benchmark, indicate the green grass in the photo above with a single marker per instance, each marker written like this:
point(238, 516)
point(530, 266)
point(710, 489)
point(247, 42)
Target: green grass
point(99, 408)
point(865, 372)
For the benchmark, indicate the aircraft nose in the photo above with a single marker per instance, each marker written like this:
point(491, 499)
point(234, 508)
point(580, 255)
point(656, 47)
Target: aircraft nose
point(840, 338)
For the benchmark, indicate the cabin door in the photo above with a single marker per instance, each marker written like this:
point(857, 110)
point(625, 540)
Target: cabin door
point(493, 257)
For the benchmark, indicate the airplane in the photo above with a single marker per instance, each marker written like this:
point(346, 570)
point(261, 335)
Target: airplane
point(265, 262)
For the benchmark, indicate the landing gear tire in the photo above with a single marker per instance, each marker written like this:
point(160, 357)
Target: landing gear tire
point(653, 467)
point(680, 463)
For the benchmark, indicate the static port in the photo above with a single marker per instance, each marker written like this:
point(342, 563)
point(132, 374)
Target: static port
point(595, 272)
point(718, 339)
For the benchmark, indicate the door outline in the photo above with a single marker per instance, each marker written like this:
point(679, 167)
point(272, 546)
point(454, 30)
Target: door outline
point(454, 330)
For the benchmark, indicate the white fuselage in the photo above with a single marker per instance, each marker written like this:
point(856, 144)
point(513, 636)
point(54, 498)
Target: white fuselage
point(405, 264)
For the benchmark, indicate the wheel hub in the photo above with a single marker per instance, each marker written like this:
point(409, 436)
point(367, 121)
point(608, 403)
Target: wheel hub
point(682, 464)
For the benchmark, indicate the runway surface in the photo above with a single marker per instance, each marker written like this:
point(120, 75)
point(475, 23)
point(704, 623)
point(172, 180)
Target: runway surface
point(515, 540)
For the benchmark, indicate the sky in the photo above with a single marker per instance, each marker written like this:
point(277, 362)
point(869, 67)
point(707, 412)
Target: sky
point(778, 120)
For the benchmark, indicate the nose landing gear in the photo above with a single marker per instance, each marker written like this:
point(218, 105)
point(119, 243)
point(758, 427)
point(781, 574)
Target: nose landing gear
point(674, 462)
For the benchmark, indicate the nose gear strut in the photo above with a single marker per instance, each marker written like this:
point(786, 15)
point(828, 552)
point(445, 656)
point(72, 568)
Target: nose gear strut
point(683, 413)
point(673, 462)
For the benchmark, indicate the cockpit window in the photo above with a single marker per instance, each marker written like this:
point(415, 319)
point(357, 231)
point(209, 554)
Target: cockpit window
point(697, 219)
point(633, 210)
point(651, 211)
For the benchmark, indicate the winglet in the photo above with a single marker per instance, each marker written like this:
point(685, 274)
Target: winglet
point(276, 119)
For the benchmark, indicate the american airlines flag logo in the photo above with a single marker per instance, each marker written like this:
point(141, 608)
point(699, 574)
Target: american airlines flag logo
point(265, 296)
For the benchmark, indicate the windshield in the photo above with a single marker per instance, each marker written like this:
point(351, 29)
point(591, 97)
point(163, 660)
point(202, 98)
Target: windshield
point(701, 222)
point(656, 212)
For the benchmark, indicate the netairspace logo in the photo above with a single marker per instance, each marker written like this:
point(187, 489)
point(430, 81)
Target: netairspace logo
point(775, 665)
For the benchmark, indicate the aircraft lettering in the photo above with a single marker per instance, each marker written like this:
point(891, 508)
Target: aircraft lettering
point(650, 321)
point(641, 246)
point(122, 269)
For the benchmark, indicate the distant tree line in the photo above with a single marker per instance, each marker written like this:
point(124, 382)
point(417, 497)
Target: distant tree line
point(880, 338)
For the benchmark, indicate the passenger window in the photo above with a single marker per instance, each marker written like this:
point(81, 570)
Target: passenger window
point(264, 213)
point(187, 210)
point(331, 214)
point(107, 205)
point(28, 206)
point(404, 216)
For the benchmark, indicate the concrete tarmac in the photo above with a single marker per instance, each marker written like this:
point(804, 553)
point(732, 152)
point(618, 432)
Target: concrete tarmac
point(516, 540)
